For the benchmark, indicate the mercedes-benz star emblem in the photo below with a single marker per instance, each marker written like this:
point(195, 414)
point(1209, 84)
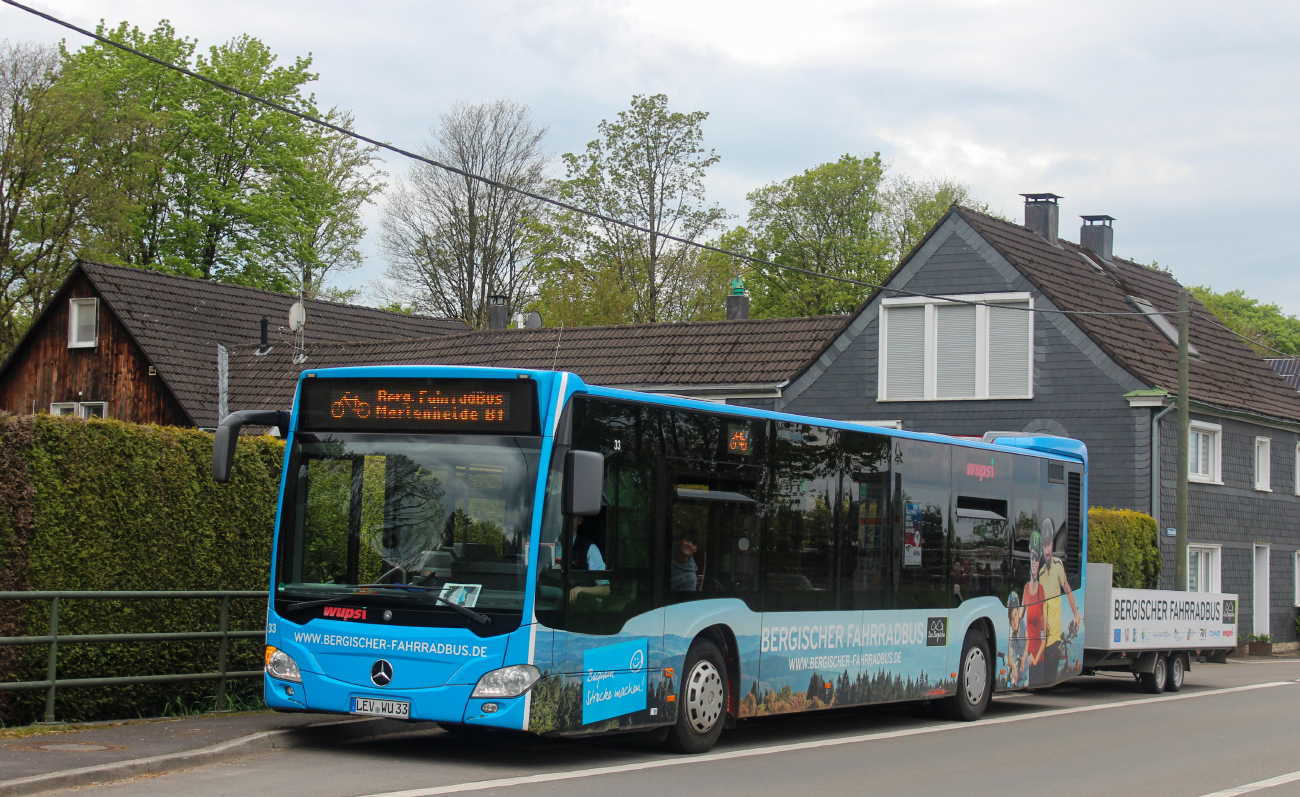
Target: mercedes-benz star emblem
point(381, 673)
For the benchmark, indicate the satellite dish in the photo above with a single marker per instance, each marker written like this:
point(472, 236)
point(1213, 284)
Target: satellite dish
point(534, 320)
point(297, 317)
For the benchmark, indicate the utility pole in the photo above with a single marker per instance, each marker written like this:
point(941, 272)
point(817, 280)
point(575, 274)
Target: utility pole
point(1184, 433)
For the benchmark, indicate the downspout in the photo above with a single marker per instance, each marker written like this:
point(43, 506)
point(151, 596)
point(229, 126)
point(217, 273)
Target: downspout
point(1155, 463)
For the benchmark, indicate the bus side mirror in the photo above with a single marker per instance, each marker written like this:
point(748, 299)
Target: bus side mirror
point(223, 442)
point(584, 478)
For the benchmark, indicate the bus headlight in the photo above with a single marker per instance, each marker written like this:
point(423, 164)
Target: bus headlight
point(281, 665)
point(510, 681)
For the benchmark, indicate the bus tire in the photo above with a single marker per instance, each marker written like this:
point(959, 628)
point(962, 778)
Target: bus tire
point(1176, 672)
point(1154, 682)
point(702, 700)
point(974, 680)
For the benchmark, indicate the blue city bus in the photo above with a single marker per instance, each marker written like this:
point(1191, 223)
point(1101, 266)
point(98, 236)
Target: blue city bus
point(512, 549)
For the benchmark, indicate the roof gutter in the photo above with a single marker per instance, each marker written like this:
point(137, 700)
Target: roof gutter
point(1159, 397)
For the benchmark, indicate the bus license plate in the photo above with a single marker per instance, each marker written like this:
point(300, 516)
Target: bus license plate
point(400, 709)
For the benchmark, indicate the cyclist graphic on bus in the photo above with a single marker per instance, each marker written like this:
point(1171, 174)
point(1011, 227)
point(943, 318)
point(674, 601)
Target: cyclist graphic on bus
point(339, 408)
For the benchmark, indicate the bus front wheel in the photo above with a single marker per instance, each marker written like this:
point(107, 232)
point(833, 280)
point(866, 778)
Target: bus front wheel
point(974, 680)
point(702, 702)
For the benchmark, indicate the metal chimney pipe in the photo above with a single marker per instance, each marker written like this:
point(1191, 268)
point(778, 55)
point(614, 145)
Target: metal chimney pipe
point(1043, 215)
point(1097, 235)
point(498, 313)
point(266, 332)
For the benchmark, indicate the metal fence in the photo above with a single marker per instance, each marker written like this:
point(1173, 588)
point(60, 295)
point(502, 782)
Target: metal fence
point(53, 683)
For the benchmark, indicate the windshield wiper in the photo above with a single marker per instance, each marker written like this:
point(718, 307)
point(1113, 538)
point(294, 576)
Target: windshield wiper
point(481, 619)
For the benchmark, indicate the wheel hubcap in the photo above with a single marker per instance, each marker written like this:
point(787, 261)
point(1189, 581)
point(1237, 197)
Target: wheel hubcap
point(975, 673)
point(704, 696)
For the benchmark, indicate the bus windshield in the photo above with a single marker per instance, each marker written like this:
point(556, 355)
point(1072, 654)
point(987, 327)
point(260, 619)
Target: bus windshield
point(448, 514)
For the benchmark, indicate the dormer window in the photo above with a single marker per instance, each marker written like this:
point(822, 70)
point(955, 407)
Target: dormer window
point(83, 323)
point(1161, 323)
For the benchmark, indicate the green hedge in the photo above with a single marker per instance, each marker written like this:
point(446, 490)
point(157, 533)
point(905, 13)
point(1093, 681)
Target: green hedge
point(1127, 540)
point(106, 505)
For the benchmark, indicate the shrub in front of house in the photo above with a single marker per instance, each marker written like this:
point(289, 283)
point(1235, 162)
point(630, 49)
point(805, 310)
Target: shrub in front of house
point(105, 505)
point(1127, 540)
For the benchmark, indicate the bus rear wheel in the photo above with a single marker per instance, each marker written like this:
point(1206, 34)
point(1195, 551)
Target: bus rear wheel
point(974, 680)
point(702, 702)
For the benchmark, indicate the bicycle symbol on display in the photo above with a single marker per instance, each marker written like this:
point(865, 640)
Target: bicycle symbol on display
point(360, 408)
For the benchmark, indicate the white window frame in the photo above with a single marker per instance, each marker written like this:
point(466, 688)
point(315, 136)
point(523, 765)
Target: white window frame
point(80, 409)
point(1296, 574)
point(76, 306)
point(1216, 566)
point(1264, 469)
point(930, 392)
point(1297, 469)
point(1215, 431)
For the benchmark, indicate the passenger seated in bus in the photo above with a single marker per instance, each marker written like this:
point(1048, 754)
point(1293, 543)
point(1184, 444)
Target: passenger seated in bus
point(585, 555)
point(685, 575)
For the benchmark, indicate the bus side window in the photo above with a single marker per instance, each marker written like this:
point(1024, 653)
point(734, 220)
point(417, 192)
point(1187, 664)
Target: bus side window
point(801, 553)
point(865, 547)
point(921, 536)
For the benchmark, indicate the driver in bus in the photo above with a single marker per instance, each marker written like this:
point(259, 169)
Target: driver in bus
point(584, 554)
point(1054, 581)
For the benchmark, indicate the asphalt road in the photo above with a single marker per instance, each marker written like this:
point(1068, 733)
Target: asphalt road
point(1232, 726)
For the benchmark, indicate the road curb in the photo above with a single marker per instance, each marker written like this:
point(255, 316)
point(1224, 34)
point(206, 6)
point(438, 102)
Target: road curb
point(263, 741)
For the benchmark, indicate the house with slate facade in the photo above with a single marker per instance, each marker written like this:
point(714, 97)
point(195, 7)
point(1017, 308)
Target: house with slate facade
point(1069, 339)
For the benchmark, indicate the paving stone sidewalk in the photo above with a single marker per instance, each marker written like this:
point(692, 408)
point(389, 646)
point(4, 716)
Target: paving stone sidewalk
point(100, 744)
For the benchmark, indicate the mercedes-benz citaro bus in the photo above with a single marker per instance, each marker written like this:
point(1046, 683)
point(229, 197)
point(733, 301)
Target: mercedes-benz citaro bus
point(516, 549)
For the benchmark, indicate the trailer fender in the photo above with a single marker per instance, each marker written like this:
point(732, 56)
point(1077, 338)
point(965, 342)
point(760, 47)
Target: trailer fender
point(1146, 663)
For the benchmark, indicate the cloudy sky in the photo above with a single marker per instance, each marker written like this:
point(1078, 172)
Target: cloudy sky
point(1179, 119)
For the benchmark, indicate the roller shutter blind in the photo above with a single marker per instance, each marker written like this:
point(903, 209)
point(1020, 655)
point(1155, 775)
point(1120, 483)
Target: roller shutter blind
point(905, 353)
point(955, 375)
point(1009, 369)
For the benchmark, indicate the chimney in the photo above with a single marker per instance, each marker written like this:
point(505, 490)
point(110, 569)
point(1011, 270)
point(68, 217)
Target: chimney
point(737, 302)
point(266, 332)
point(1043, 215)
point(498, 314)
point(1097, 234)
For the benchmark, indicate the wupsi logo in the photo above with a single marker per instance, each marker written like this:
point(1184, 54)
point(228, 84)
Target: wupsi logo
point(936, 631)
point(981, 470)
point(344, 613)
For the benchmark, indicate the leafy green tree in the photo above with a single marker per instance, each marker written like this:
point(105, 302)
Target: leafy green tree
point(646, 167)
point(1265, 325)
point(212, 184)
point(845, 219)
point(54, 152)
point(828, 221)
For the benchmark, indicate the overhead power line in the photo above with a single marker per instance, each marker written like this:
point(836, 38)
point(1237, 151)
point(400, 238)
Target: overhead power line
point(383, 145)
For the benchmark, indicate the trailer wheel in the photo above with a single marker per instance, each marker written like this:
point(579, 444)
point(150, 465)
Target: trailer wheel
point(1154, 682)
point(1174, 680)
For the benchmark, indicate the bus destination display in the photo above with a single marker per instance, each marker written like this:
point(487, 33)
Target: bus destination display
point(431, 405)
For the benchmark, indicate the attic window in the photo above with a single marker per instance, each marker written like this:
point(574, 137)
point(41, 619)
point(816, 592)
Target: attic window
point(83, 323)
point(1161, 323)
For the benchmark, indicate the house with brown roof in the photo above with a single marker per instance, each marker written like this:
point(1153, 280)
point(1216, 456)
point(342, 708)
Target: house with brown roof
point(147, 347)
point(1068, 339)
point(740, 361)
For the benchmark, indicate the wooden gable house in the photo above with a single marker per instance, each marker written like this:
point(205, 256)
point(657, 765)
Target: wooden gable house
point(146, 347)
